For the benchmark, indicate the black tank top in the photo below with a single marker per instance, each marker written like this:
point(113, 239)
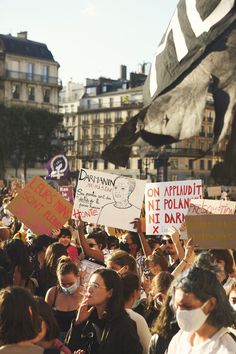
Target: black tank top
point(63, 318)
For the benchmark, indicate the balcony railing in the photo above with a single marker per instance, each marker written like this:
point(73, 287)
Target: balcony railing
point(94, 106)
point(20, 75)
point(184, 152)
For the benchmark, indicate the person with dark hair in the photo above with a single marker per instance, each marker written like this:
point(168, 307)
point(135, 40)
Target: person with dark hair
point(121, 262)
point(203, 313)
point(225, 262)
point(64, 298)
point(164, 328)
point(21, 264)
point(64, 238)
point(102, 326)
point(156, 296)
point(48, 337)
point(132, 289)
point(19, 322)
point(112, 243)
point(4, 278)
point(48, 276)
point(38, 250)
point(92, 246)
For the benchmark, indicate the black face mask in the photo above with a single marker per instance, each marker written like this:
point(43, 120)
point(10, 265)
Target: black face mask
point(124, 246)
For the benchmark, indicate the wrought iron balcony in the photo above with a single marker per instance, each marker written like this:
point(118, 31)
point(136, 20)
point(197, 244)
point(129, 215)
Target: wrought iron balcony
point(20, 75)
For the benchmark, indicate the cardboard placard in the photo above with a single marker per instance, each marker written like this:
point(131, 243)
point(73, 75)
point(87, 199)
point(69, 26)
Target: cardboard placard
point(214, 191)
point(167, 203)
point(212, 231)
point(209, 206)
point(108, 199)
point(40, 207)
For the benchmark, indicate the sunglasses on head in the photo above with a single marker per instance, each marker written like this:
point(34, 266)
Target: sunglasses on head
point(164, 242)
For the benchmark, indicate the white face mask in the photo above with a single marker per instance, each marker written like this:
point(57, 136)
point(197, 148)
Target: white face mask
point(191, 320)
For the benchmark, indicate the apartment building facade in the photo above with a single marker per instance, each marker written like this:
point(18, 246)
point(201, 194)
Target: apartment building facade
point(101, 114)
point(28, 73)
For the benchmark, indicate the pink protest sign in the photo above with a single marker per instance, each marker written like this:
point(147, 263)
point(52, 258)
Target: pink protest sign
point(40, 207)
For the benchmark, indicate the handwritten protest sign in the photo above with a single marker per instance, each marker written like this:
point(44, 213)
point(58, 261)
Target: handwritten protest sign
point(209, 206)
point(212, 231)
point(167, 203)
point(40, 207)
point(108, 199)
point(67, 193)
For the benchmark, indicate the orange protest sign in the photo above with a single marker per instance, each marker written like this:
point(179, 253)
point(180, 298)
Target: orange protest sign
point(40, 207)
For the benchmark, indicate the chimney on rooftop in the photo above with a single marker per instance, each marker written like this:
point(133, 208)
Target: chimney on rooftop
point(22, 35)
point(123, 72)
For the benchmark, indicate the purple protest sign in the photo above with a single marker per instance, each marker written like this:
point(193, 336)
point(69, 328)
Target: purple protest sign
point(67, 193)
point(57, 167)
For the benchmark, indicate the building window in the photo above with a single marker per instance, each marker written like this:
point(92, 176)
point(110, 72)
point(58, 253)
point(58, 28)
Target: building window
point(107, 131)
point(95, 164)
point(15, 91)
point(111, 101)
point(84, 149)
point(117, 114)
point(95, 131)
point(105, 165)
point(31, 93)
point(46, 95)
point(190, 164)
point(174, 164)
point(88, 104)
point(107, 115)
point(45, 73)
point(209, 164)
point(96, 148)
point(202, 165)
point(100, 103)
point(96, 118)
point(85, 132)
point(30, 71)
point(117, 129)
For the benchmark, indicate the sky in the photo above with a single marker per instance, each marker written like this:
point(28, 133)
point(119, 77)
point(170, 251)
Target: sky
point(91, 38)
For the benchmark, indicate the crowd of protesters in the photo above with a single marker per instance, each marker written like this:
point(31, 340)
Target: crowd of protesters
point(81, 290)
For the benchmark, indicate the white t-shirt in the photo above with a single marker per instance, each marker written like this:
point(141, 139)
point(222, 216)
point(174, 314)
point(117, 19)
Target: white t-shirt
point(220, 343)
point(142, 329)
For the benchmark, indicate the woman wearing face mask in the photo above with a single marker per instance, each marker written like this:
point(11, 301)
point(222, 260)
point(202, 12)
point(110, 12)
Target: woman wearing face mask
point(65, 298)
point(102, 326)
point(203, 314)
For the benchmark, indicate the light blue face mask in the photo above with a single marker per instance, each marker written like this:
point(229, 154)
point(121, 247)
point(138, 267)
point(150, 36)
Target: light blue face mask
point(71, 290)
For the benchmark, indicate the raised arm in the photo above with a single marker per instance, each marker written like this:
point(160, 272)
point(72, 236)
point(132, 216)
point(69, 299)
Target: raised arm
point(147, 251)
point(89, 252)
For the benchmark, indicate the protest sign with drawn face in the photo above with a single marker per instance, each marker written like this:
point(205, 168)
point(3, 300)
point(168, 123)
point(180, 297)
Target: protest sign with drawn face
point(108, 199)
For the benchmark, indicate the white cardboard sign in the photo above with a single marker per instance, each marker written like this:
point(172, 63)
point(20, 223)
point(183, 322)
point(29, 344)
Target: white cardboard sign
point(167, 203)
point(108, 199)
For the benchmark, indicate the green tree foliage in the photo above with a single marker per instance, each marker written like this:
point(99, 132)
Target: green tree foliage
point(26, 133)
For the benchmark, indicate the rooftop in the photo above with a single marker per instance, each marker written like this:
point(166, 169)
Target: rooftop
point(24, 47)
